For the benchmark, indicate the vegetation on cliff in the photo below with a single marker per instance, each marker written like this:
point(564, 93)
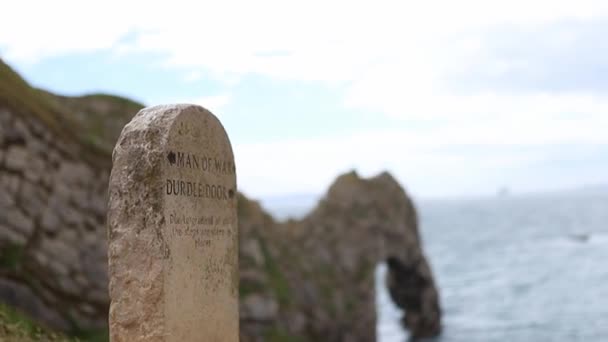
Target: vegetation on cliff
point(15, 327)
point(91, 119)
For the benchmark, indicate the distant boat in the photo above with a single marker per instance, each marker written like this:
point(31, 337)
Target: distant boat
point(503, 192)
point(582, 237)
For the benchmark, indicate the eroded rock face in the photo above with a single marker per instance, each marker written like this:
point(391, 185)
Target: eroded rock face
point(412, 288)
point(321, 269)
point(52, 214)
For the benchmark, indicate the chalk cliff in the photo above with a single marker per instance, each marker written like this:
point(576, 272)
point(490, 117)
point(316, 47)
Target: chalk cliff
point(305, 280)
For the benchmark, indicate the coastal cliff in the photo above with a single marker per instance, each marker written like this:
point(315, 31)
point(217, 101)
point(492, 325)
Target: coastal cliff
point(304, 280)
point(317, 274)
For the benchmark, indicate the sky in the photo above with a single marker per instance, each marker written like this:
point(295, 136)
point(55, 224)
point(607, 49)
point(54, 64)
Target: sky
point(454, 98)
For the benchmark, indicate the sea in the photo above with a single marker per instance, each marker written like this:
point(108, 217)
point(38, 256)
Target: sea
point(511, 268)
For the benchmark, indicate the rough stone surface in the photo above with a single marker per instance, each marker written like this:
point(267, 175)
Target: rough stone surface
point(20, 222)
point(16, 158)
point(16, 294)
point(40, 246)
point(412, 288)
point(173, 254)
point(320, 269)
point(263, 309)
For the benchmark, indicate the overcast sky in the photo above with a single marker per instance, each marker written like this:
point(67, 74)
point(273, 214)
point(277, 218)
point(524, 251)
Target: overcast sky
point(452, 97)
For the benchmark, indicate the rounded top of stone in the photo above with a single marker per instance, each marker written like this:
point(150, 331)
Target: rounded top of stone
point(160, 114)
point(154, 124)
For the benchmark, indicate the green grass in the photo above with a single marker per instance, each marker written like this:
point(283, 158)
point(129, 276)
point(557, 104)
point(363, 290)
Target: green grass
point(96, 335)
point(120, 101)
point(278, 335)
point(275, 276)
point(15, 327)
point(11, 257)
point(102, 116)
point(85, 118)
point(18, 95)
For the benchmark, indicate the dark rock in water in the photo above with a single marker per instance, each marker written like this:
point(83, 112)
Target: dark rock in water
point(308, 280)
point(580, 237)
point(412, 288)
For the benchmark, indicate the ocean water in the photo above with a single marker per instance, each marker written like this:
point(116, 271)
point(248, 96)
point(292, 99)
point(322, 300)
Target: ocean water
point(530, 268)
point(522, 268)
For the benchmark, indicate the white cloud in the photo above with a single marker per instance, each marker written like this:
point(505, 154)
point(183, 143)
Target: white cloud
point(415, 157)
point(390, 57)
point(435, 104)
point(193, 76)
point(213, 103)
point(316, 39)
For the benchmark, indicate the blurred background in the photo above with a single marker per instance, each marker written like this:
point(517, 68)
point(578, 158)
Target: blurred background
point(492, 114)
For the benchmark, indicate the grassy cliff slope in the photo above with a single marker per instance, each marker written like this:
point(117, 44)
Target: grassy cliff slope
point(95, 119)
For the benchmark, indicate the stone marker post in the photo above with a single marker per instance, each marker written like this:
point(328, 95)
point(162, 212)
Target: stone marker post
point(173, 254)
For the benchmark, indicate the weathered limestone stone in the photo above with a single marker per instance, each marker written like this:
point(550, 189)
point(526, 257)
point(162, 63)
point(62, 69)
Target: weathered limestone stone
point(97, 203)
point(20, 222)
point(35, 168)
point(251, 248)
point(21, 296)
point(173, 254)
point(81, 281)
point(62, 190)
point(98, 295)
point(54, 157)
point(62, 252)
point(32, 199)
point(87, 309)
point(11, 237)
point(260, 307)
point(49, 221)
point(16, 158)
point(70, 236)
point(64, 210)
point(6, 200)
point(39, 148)
point(10, 183)
point(79, 198)
point(36, 127)
point(94, 271)
point(41, 258)
point(73, 173)
point(21, 129)
point(3, 122)
point(66, 285)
